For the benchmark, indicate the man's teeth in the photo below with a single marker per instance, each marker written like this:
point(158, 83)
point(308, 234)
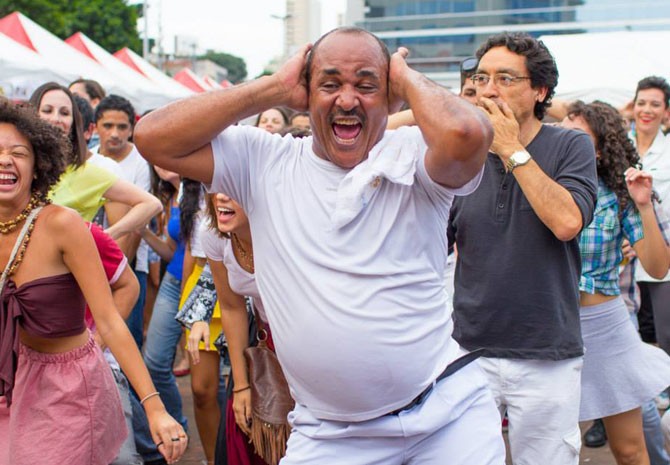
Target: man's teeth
point(347, 122)
point(7, 176)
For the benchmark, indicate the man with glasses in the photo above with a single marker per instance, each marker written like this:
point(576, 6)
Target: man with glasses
point(516, 287)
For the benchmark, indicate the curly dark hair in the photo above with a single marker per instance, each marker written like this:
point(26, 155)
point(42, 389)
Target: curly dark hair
point(49, 145)
point(78, 154)
point(189, 206)
point(615, 150)
point(654, 82)
point(540, 63)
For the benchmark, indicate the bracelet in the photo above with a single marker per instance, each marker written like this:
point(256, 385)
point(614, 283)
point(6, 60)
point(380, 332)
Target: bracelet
point(235, 391)
point(149, 396)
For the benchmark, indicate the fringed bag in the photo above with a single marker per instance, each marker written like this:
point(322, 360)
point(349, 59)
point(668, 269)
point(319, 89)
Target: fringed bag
point(271, 400)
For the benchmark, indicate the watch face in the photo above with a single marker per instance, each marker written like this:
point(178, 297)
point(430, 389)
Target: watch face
point(520, 158)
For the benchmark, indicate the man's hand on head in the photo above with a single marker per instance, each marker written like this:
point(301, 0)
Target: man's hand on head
point(505, 128)
point(291, 80)
point(398, 78)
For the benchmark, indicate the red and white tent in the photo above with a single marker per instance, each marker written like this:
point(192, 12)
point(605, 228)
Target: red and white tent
point(153, 96)
point(212, 83)
point(22, 70)
point(146, 69)
point(60, 58)
point(192, 81)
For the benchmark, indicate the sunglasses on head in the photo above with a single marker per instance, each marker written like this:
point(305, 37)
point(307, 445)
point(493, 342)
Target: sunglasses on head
point(469, 65)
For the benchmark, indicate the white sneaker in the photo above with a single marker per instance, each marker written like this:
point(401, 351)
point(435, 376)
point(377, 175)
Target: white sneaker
point(662, 401)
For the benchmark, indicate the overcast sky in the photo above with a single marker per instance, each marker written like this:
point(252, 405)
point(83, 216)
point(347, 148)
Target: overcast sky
point(243, 27)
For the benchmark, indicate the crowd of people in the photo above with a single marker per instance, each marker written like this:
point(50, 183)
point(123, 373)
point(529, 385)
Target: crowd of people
point(425, 267)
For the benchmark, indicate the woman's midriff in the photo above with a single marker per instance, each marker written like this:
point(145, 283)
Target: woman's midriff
point(586, 300)
point(53, 345)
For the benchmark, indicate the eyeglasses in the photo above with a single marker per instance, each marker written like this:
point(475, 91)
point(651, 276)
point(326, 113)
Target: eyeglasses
point(500, 80)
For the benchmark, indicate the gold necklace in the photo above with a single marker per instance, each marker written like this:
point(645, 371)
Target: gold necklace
point(8, 226)
point(247, 257)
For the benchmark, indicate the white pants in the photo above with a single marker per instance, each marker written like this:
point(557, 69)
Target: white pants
point(542, 402)
point(457, 424)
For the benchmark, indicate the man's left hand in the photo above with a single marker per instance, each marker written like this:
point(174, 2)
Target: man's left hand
point(505, 128)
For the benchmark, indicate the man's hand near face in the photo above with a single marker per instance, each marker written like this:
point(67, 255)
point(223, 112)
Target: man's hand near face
point(505, 128)
point(292, 82)
point(398, 78)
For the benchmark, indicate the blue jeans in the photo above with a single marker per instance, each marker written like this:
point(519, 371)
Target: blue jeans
point(135, 320)
point(653, 435)
point(161, 344)
point(128, 454)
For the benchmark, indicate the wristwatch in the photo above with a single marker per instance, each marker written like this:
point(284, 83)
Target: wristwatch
point(518, 158)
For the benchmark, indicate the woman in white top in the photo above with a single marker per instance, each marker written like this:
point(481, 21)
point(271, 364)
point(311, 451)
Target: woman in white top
point(230, 256)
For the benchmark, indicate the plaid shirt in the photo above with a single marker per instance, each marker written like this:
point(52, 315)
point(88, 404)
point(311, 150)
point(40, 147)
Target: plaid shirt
point(600, 243)
point(629, 289)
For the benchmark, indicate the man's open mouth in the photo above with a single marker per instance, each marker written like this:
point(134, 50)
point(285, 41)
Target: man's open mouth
point(346, 130)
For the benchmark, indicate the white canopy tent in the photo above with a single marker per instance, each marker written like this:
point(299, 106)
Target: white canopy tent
point(60, 58)
point(140, 65)
point(22, 70)
point(607, 65)
point(152, 95)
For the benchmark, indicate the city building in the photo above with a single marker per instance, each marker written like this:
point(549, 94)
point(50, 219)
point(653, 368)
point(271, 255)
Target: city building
point(441, 33)
point(302, 24)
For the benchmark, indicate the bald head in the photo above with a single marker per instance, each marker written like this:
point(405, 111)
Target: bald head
point(343, 30)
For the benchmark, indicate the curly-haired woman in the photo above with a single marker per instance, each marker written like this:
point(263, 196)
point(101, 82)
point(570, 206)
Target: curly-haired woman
point(620, 372)
point(60, 403)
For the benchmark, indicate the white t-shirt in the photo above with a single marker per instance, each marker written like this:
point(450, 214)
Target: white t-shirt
point(107, 163)
point(242, 282)
point(657, 163)
point(135, 169)
point(358, 314)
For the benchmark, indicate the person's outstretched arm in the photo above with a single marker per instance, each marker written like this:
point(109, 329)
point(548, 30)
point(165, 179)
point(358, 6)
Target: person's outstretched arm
point(458, 135)
point(177, 137)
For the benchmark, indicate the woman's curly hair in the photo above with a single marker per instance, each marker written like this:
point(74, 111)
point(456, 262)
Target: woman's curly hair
point(48, 144)
point(614, 149)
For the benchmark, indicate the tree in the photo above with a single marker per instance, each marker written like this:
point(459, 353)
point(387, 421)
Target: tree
point(110, 23)
point(236, 66)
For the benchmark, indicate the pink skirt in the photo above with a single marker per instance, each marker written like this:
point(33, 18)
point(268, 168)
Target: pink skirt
point(65, 409)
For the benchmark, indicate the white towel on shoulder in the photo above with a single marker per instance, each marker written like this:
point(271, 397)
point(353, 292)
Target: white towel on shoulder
point(393, 158)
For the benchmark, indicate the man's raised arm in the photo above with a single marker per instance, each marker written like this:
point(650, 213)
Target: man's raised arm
point(177, 136)
point(458, 135)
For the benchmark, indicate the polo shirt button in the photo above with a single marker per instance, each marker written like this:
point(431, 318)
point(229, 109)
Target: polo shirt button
point(501, 171)
point(501, 205)
point(504, 186)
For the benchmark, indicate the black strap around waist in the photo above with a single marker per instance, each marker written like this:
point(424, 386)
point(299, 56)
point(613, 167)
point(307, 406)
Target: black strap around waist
point(452, 368)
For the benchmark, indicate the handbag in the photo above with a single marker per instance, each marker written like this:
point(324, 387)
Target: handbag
point(199, 305)
point(271, 399)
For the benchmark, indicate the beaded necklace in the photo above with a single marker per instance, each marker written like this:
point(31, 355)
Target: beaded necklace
point(9, 226)
point(35, 201)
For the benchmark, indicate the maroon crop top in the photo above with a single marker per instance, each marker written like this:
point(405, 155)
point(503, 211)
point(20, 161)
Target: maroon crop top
point(48, 307)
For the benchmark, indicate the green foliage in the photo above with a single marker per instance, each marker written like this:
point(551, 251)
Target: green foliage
point(110, 23)
point(236, 66)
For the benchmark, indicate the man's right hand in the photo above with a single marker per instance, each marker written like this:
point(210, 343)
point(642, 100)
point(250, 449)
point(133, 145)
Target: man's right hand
point(291, 80)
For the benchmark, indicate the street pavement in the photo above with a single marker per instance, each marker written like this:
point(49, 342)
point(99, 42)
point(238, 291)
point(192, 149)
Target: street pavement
point(195, 455)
